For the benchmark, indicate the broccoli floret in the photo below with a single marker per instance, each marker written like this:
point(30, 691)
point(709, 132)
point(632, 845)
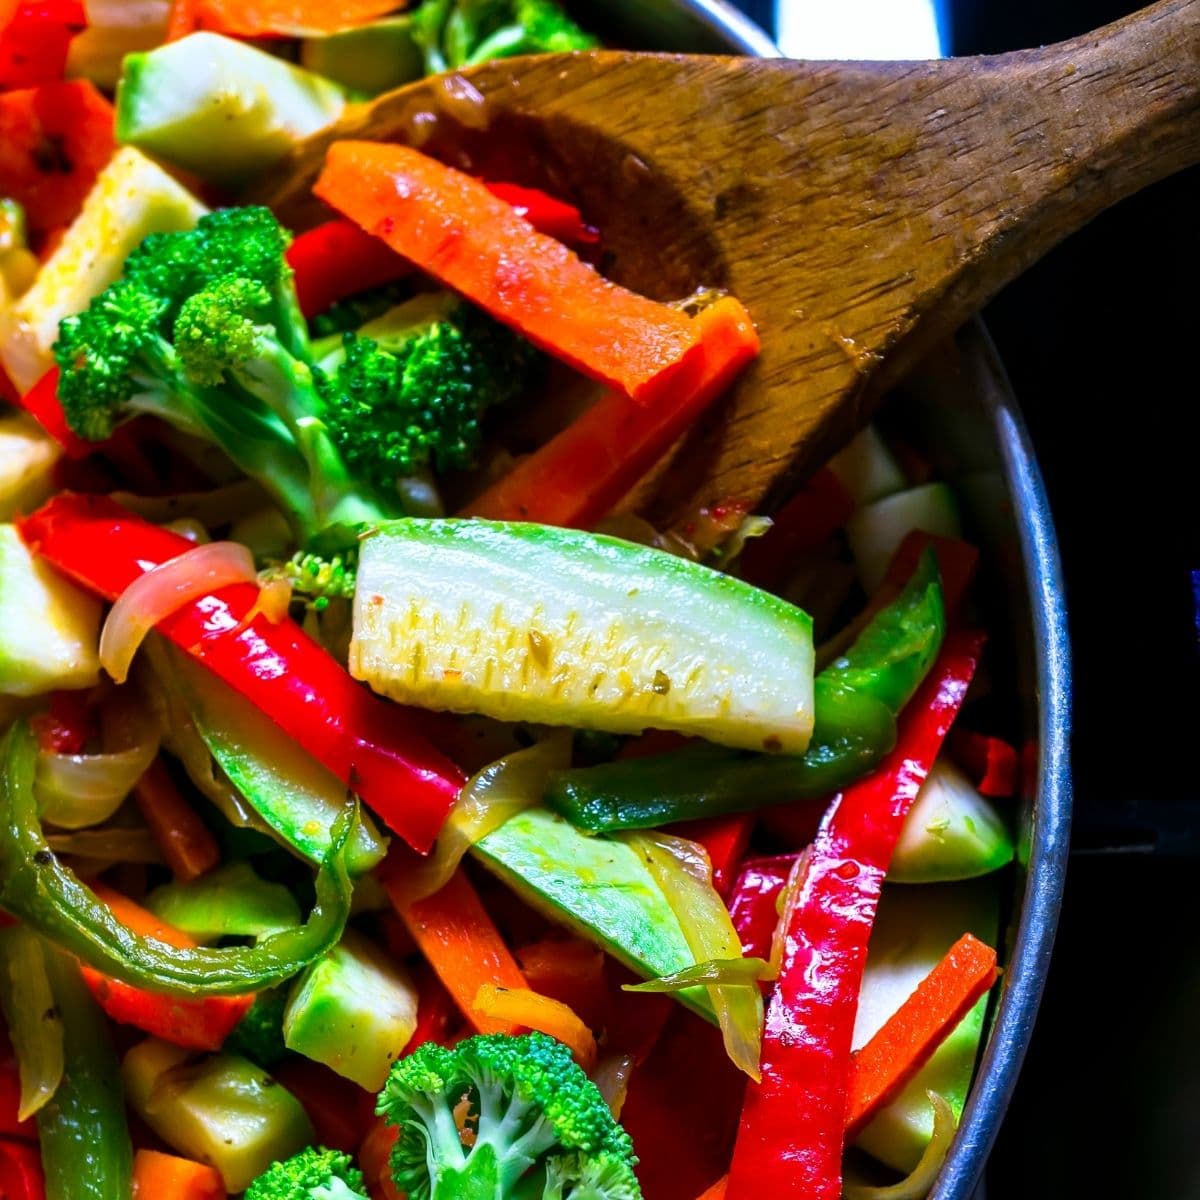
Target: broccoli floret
point(204, 331)
point(456, 33)
point(415, 388)
point(313, 1174)
point(258, 1036)
point(317, 579)
point(537, 1126)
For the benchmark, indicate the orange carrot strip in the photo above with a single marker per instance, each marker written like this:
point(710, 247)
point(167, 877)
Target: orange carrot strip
point(579, 475)
point(717, 1191)
point(287, 18)
point(159, 1176)
point(188, 847)
point(461, 943)
point(454, 228)
point(524, 1007)
point(201, 1023)
point(912, 1033)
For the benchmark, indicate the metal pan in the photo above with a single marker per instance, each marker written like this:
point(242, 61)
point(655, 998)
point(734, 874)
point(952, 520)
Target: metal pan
point(970, 424)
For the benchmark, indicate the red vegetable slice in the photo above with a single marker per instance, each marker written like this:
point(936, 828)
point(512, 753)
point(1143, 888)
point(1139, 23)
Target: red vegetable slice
point(792, 1131)
point(277, 667)
point(34, 38)
point(54, 141)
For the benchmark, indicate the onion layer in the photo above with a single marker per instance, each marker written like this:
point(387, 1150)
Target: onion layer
point(162, 591)
point(920, 1183)
point(34, 1025)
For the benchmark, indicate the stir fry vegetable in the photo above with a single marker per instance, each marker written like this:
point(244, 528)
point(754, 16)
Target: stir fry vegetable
point(369, 540)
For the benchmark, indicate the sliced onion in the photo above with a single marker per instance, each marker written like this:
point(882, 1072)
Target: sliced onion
point(217, 506)
point(611, 1077)
point(133, 844)
point(76, 791)
point(163, 590)
point(682, 870)
point(728, 972)
point(920, 1183)
point(491, 797)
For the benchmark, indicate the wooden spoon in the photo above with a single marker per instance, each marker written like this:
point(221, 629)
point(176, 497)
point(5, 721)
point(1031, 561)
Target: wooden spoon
point(861, 211)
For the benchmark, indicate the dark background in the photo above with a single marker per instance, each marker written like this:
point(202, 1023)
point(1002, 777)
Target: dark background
point(1100, 341)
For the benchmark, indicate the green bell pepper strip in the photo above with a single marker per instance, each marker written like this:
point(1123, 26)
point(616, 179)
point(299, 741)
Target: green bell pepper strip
point(39, 890)
point(857, 699)
point(86, 1152)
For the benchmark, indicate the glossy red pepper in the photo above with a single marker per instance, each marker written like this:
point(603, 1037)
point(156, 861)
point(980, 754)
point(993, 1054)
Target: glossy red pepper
point(724, 839)
point(339, 1110)
point(21, 1171)
point(41, 402)
point(277, 667)
point(437, 1014)
point(789, 1146)
point(548, 215)
point(35, 39)
point(65, 729)
point(806, 521)
point(990, 761)
point(753, 904)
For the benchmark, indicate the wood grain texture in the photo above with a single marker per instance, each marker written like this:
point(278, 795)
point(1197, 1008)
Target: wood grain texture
point(861, 211)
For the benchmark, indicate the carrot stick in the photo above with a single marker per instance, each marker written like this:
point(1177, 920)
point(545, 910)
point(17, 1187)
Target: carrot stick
point(197, 1023)
point(461, 943)
point(188, 847)
point(454, 228)
point(907, 1039)
point(287, 18)
point(524, 1007)
point(159, 1176)
point(579, 475)
point(911, 1034)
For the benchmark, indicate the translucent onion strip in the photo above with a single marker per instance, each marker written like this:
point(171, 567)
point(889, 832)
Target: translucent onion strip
point(164, 590)
point(920, 1183)
point(34, 1026)
point(611, 1077)
point(727, 972)
point(683, 871)
point(76, 791)
point(491, 797)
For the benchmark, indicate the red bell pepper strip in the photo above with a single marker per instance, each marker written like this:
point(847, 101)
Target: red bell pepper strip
point(724, 839)
point(437, 1014)
point(792, 1130)
point(579, 475)
point(547, 214)
point(990, 761)
point(804, 523)
point(451, 226)
point(34, 38)
point(303, 689)
point(10, 1103)
point(189, 848)
point(41, 402)
point(21, 1175)
point(753, 903)
point(54, 141)
point(65, 729)
point(8, 389)
point(911, 1034)
point(570, 971)
point(201, 1023)
point(338, 259)
point(339, 1110)
point(957, 563)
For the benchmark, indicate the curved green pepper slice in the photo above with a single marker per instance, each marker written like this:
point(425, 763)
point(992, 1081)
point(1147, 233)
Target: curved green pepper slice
point(48, 897)
point(857, 699)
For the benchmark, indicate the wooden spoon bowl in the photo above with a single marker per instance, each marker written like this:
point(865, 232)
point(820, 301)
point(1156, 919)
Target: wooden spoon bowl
point(861, 211)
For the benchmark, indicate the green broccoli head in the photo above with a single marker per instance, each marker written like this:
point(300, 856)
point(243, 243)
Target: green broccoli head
point(533, 1115)
point(456, 33)
point(258, 1036)
point(317, 579)
point(313, 1174)
point(404, 401)
point(219, 328)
